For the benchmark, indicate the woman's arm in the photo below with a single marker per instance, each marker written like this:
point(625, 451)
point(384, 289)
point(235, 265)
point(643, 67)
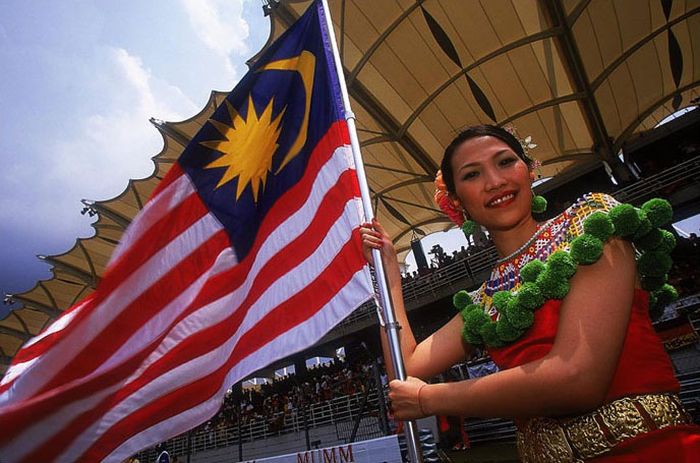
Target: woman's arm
point(436, 353)
point(576, 374)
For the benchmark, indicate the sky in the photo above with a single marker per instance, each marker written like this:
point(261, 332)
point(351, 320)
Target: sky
point(78, 83)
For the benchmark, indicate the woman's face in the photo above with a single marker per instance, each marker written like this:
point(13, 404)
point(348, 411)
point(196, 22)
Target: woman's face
point(492, 183)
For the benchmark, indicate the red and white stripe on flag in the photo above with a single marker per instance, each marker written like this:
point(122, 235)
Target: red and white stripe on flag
point(177, 320)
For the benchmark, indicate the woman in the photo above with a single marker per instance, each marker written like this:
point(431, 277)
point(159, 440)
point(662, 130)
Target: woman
point(589, 380)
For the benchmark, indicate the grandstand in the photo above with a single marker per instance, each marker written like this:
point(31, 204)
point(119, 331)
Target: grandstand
point(593, 133)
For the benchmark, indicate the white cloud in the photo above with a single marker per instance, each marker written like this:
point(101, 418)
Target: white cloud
point(95, 156)
point(154, 97)
point(113, 146)
point(220, 26)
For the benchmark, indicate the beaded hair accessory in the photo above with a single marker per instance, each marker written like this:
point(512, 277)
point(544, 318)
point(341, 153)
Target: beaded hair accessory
point(526, 144)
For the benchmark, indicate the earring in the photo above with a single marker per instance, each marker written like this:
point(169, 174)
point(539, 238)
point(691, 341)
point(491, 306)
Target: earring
point(539, 204)
point(469, 226)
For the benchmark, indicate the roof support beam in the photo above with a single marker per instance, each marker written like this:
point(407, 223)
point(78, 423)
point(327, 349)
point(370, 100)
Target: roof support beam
point(633, 49)
point(653, 107)
point(390, 169)
point(365, 99)
point(410, 181)
point(52, 312)
point(107, 212)
point(5, 360)
point(89, 278)
point(546, 104)
point(16, 333)
point(484, 59)
point(603, 145)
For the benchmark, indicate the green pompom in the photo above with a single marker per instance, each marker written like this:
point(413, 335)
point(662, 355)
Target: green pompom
point(539, 204)
point(519, 316)
point(529, 296)
point(645, 225)
point(599, 225)
point(658, 211)
point(625, 219)
point(650, 241)
point(561, 263)
point(473, 338)
point(469, 227)
point(474, 319)
point(668, 242)
point(586, 249)
point(552, 285)
point(665, 295)
point(500, 299)
point(530, 270)
point(470, 308)
point(461, 299)
point(654, 264)
point(489, 334)
point(653, 283)
point(506, 331)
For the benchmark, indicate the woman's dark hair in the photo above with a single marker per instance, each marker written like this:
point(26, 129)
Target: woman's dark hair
point(474, 132)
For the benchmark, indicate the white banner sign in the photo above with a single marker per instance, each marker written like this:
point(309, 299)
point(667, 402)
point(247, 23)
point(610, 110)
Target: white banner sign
point(382, 450)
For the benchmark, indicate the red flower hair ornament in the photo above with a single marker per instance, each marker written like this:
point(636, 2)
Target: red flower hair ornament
point(451, 207)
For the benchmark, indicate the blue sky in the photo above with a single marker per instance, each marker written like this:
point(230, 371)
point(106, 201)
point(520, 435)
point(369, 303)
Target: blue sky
point(78, 83)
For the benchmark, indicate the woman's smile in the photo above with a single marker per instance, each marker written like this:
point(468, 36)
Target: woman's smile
point(502, 200)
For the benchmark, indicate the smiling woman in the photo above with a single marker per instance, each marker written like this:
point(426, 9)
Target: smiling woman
point(564, 314)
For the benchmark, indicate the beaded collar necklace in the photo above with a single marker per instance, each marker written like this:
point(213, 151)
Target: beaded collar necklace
point(550, 279)
point(526, 244)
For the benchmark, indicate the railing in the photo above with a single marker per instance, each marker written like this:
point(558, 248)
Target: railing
point(686, 171)
point(339, 409)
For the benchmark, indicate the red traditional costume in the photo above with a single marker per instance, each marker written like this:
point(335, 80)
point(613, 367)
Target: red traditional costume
point(642, 419)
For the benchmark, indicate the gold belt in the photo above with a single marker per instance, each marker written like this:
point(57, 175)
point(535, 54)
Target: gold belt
point(571, 440)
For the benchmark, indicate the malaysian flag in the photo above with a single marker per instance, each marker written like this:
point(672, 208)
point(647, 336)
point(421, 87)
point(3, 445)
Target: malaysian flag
point(247, 252)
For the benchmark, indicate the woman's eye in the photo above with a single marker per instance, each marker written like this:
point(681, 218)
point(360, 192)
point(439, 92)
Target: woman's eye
point(470, 175)
point(507, 161)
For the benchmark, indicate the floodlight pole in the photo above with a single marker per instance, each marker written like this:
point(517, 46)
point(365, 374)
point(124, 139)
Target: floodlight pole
point(391, 325)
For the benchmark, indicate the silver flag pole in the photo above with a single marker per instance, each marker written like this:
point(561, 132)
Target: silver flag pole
point(391, 326)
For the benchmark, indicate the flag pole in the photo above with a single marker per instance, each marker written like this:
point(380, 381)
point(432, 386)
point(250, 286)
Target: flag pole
point(391, 325)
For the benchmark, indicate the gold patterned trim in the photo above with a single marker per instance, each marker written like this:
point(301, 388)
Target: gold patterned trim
point(573, 440)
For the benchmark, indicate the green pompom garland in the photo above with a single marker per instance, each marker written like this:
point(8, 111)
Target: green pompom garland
point(625, 219)
point(658, 211)
point(461, 299)
point(530, 270)
point(586, 249)
point(550, 279)
point(599, 225)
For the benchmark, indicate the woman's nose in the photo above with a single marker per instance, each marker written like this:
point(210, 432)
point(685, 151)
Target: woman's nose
point(493, 179)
